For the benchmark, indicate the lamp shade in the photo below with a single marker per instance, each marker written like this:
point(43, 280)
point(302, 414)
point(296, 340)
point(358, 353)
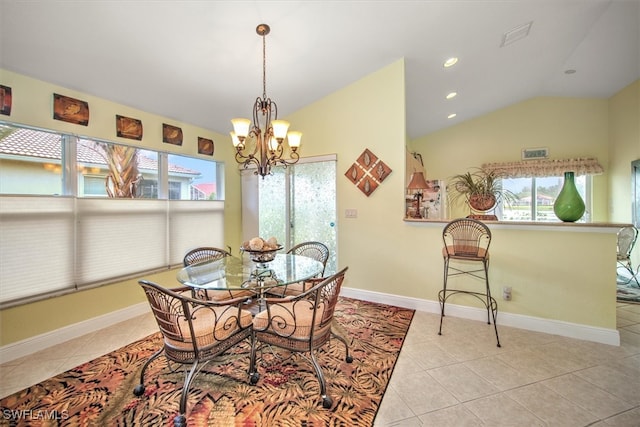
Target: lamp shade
point(241, 127)
point(417, 182)
point(234, 139)
point(294, 139)
point(280, 128)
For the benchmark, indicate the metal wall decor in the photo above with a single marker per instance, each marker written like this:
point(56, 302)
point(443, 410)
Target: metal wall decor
point(368, 172)
point(126, 127)
point(205, 146)
point(171, 134)
point(70, 110)
point(5, 100)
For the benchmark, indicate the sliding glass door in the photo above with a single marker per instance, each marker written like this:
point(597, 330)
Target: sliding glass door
point(298, 204)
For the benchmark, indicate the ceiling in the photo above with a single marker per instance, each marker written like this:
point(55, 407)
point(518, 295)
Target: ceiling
point(200, 62)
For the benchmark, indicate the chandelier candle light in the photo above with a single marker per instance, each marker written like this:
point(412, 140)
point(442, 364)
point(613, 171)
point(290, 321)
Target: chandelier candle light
point(266, 135)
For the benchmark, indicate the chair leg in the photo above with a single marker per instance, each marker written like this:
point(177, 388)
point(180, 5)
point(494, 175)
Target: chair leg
point(181, 419)
point(348, 358)
point(442, 295)
point(254, 376)
point(488, 291)
point(492, 304)
point(327, 402)
point(494, 311)
point(139, 390)
point(634, 276)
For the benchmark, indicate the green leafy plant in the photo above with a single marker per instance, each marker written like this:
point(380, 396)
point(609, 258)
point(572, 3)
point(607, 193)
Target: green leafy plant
point(482, 189)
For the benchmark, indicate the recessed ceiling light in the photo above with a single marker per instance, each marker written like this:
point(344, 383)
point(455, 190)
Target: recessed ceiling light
point(451, 116)
point(450, 62)
point(452, 95)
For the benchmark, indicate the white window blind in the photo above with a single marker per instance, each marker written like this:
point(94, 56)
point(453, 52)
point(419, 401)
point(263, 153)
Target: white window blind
point(118, 237)
point(36, 246)
point(193, 224)
point(55, 244)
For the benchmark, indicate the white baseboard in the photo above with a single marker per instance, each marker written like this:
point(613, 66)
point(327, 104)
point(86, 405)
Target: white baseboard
point(548, 326)
point(40, 342)
point(572, 330)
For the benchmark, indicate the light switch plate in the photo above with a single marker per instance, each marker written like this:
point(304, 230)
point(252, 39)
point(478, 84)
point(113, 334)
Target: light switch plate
point(351, 213)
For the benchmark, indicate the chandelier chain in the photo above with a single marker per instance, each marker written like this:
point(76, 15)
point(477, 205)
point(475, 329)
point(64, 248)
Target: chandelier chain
point(264, 67)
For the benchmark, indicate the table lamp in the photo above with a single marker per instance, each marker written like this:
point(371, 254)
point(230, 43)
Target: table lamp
point(418, 183)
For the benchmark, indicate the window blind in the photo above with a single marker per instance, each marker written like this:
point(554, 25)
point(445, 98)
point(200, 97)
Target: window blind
point(119, 237)
point(54, 244)
point(193, 224)
point(36, 245)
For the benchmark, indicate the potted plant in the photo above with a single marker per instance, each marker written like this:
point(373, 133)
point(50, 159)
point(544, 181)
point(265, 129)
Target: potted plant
point(482, 189)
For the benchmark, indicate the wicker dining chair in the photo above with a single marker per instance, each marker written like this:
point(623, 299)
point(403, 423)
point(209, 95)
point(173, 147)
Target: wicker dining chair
point(312, 249)
point(194, 331)
point(627, 237)
point(301, 323)
point(208, 254)
point(466, 243)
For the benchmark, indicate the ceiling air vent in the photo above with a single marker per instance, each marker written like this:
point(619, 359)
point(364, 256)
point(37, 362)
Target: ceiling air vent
point(516, 34)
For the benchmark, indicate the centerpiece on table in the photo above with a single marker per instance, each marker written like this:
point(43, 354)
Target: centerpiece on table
point(260, 250)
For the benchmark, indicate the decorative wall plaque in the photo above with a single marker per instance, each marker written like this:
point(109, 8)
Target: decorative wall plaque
point(126, 127)
point(5, 100)
point(70, 110)
point(171, 134)
point(368, 172)
point(205, 146)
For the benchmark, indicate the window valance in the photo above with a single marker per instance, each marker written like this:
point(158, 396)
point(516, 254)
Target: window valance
point(547, 167)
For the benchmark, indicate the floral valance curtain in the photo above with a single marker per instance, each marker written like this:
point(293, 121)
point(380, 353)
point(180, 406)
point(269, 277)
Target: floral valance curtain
point(546, 167)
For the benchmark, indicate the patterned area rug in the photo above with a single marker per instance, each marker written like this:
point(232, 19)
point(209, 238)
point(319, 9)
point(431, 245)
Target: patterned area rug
point(100, 392)
point(628, 291)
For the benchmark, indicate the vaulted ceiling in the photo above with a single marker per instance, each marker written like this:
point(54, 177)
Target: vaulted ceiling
point(200, 62)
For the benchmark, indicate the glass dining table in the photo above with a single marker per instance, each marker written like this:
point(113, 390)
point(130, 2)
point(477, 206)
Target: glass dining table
point(232, 273)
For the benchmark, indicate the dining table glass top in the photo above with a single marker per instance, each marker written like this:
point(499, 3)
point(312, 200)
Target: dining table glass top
point(242, 273)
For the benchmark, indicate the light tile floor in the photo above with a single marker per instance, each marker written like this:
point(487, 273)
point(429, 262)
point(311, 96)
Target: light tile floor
point(458, 379)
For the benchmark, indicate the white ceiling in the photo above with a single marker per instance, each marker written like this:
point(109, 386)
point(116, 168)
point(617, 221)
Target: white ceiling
point(200, 62)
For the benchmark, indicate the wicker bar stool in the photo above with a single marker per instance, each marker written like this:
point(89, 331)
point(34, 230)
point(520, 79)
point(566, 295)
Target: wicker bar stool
point(466, 243)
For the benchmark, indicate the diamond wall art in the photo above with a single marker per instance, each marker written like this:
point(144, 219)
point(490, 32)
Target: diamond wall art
point(368, 172)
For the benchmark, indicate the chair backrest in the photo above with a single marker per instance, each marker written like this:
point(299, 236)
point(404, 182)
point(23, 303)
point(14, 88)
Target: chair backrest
point(466, 237)
point(316, 250)
point(627, 237)
point(192, 328)
point(327, 295)
point(204, 254)
point(305, 318)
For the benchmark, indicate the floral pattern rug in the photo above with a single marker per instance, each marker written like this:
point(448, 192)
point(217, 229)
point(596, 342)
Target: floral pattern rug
point(100, 392)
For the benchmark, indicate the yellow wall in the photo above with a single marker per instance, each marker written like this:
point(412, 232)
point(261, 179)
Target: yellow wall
point(554, 274)
point(33, 106)
point(568, 127)
point(28, 320)
point(624, 147)
point(368, 114)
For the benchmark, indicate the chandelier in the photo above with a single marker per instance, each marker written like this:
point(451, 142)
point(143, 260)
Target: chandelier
point(264, 136)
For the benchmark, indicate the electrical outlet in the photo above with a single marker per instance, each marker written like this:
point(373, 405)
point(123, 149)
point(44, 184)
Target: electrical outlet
point(506, 293)
point(351, 213)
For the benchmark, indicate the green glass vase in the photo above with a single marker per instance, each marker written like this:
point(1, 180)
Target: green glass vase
point(569, 206)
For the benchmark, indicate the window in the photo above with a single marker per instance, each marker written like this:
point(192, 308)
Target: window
point(91, 212)
point(534, 198)
point(535, 184)
point(30, 161)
